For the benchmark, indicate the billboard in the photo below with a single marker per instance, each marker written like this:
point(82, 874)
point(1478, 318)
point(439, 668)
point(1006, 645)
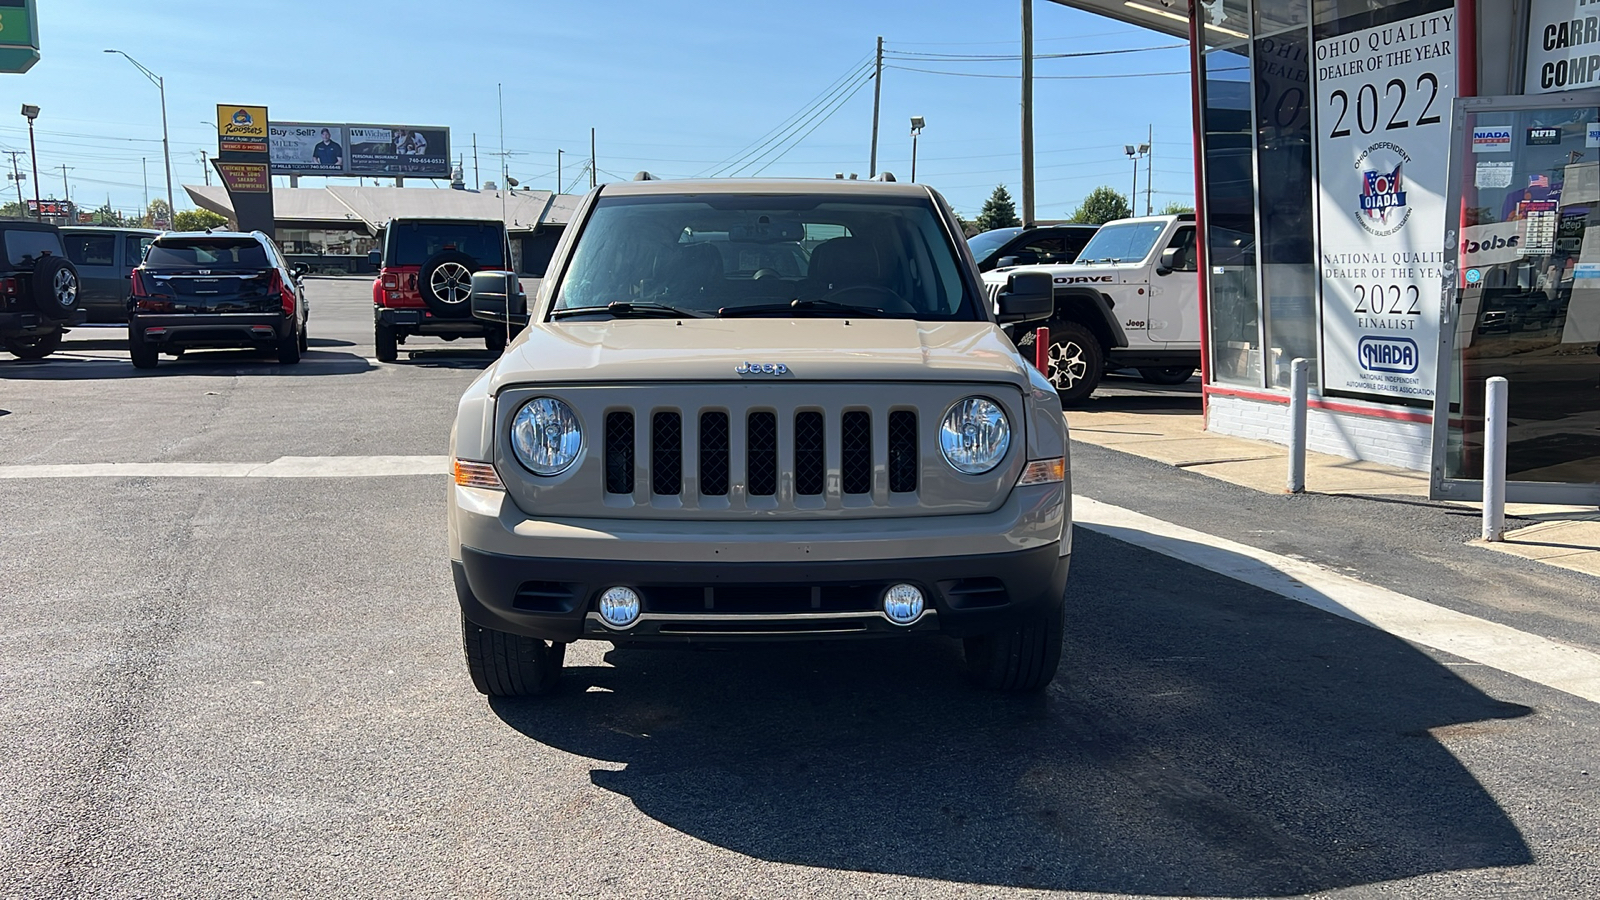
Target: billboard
point(307, 148)
point(423, 152)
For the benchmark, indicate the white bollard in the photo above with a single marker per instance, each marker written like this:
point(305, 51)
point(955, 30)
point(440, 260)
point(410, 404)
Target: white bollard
point(1495, 403)
point(1299, 389)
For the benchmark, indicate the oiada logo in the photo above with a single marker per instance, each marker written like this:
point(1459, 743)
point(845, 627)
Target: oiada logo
point(1388, 354)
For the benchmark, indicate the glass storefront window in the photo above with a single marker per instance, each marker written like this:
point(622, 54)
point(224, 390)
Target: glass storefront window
point(1229, 180)
point(1283, 158)
point(1527, 299)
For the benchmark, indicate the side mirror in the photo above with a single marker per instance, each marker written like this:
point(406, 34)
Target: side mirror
point(376, 258)
point(1169, 261)
point(497, 297)
point(299, 270)
point(1027, 297)
point(1020, 258)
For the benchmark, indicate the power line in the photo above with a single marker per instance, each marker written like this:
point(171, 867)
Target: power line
point(1049, 77)
point(968, 57)
point(798, 120)
point(825, 118)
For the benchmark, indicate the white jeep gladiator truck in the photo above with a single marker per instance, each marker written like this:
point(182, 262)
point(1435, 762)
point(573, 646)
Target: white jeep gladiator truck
point(1130, 301)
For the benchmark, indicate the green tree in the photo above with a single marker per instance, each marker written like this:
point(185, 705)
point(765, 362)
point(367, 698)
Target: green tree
point(105, 215)
point(998, 211)
point(157, 211)
point(198, 220)
point(1174, 208)
point(15, 210)
point(1101, 206)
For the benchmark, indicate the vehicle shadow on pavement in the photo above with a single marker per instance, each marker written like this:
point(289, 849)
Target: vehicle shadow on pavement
point(1203, 738)
point(447, 358)
point(223, 363)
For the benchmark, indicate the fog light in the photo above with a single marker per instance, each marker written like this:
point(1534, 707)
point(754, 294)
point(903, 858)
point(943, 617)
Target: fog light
point(903, 604)
point(619, 606)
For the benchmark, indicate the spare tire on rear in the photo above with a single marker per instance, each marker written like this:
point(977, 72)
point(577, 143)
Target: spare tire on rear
point(445, 283)
point(55, 288)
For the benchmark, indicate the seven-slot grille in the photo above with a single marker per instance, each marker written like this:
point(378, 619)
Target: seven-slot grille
point(764, 438)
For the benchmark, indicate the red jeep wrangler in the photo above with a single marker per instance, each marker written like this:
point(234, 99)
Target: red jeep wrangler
point(424, 283)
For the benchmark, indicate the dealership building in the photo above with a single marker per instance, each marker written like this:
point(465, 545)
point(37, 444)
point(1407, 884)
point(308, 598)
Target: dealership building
point(331, 229)
point(1400, 191)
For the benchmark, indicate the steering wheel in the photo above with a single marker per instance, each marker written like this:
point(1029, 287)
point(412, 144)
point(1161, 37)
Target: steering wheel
point(767, 273)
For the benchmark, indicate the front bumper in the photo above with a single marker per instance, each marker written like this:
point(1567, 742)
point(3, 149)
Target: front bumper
point(555, 599)
point(423, 321)
point(211, 329)
point(749, 580)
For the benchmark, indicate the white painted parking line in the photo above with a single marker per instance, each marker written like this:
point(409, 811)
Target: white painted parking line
point(1537, 659)
point(282, 467)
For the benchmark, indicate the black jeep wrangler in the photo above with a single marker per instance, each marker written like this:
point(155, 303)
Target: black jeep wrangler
point(39, 296)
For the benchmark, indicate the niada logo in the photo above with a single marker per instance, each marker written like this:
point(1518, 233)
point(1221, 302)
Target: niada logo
point(1382, 202)
point(1491, 139)
point(1388, 354)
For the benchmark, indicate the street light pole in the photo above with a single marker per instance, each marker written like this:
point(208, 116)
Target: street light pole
point(1135, 154)
point(32, 112)
point(166, 147)
point(558, 170)
point(917, 124)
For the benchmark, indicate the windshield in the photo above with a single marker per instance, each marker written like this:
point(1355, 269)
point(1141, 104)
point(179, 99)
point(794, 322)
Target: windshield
point(984, 244)
point(414, 243)
point(207, 253)
point(1126, 242)
point(23, 248)
point(736, 254)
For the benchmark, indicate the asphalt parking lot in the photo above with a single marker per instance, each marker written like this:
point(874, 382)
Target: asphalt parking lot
point(254, 685)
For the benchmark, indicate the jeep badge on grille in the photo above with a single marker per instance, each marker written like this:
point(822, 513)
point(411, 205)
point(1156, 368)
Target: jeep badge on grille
point(750, 368)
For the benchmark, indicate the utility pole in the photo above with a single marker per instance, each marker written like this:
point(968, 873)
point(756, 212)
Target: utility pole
point(476, 184)
point(1150, 170)
point(877, 104)
point(205, 170)
point(593, 165)
point(17, 176)
point(558, 170)
point(1027, 113)
point(144, 214)
point(65, 191)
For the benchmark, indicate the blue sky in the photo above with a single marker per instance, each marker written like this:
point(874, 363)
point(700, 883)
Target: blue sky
point(678, 89)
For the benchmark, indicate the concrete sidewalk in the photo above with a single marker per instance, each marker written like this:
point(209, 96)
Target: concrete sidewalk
point(1564, 536)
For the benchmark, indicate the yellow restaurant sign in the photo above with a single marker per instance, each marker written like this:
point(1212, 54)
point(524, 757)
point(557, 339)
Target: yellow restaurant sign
point(242, 122)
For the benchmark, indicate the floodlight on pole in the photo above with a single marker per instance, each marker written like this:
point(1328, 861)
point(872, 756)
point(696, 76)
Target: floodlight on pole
point(166, 149)
point(1135, 153)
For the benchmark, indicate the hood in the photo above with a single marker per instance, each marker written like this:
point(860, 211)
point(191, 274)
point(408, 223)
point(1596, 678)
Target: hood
point(811, 349)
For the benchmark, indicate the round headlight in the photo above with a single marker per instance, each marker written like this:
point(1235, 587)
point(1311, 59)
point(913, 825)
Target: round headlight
point(546, 437)
point(975, 435)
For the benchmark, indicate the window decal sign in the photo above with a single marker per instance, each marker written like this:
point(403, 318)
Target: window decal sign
point(1383, 139)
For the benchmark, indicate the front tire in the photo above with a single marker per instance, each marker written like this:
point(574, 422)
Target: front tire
point(33, 346)
point(1076, 361)
point(388, 348)
point(1022, 658)
point(510, 665)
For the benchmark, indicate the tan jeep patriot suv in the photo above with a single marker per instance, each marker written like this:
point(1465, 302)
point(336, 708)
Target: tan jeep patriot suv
point(760, 410)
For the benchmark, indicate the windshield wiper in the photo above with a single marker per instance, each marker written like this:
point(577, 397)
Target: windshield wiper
point(802, 306)
point(623, 310)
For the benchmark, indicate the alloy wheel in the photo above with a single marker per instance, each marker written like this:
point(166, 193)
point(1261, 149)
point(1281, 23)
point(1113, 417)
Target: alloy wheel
point(66, 289)
point(451, 283)
point(1065, 365)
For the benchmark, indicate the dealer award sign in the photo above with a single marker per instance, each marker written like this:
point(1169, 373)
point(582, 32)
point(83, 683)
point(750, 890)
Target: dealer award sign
point(1383, 137)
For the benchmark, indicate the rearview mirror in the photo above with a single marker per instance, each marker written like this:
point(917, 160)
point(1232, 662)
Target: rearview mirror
point(1027, 297)
point(497, 296)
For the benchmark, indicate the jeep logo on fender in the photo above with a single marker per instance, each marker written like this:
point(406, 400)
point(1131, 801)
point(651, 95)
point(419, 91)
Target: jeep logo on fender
point(1084, 279)
point(750, 368)
point(1387, 354)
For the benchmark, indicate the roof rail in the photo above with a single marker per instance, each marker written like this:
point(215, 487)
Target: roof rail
point(644, 176)
point(884, 176)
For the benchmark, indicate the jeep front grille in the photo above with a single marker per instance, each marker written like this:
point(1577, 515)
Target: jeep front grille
point(808, 434)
